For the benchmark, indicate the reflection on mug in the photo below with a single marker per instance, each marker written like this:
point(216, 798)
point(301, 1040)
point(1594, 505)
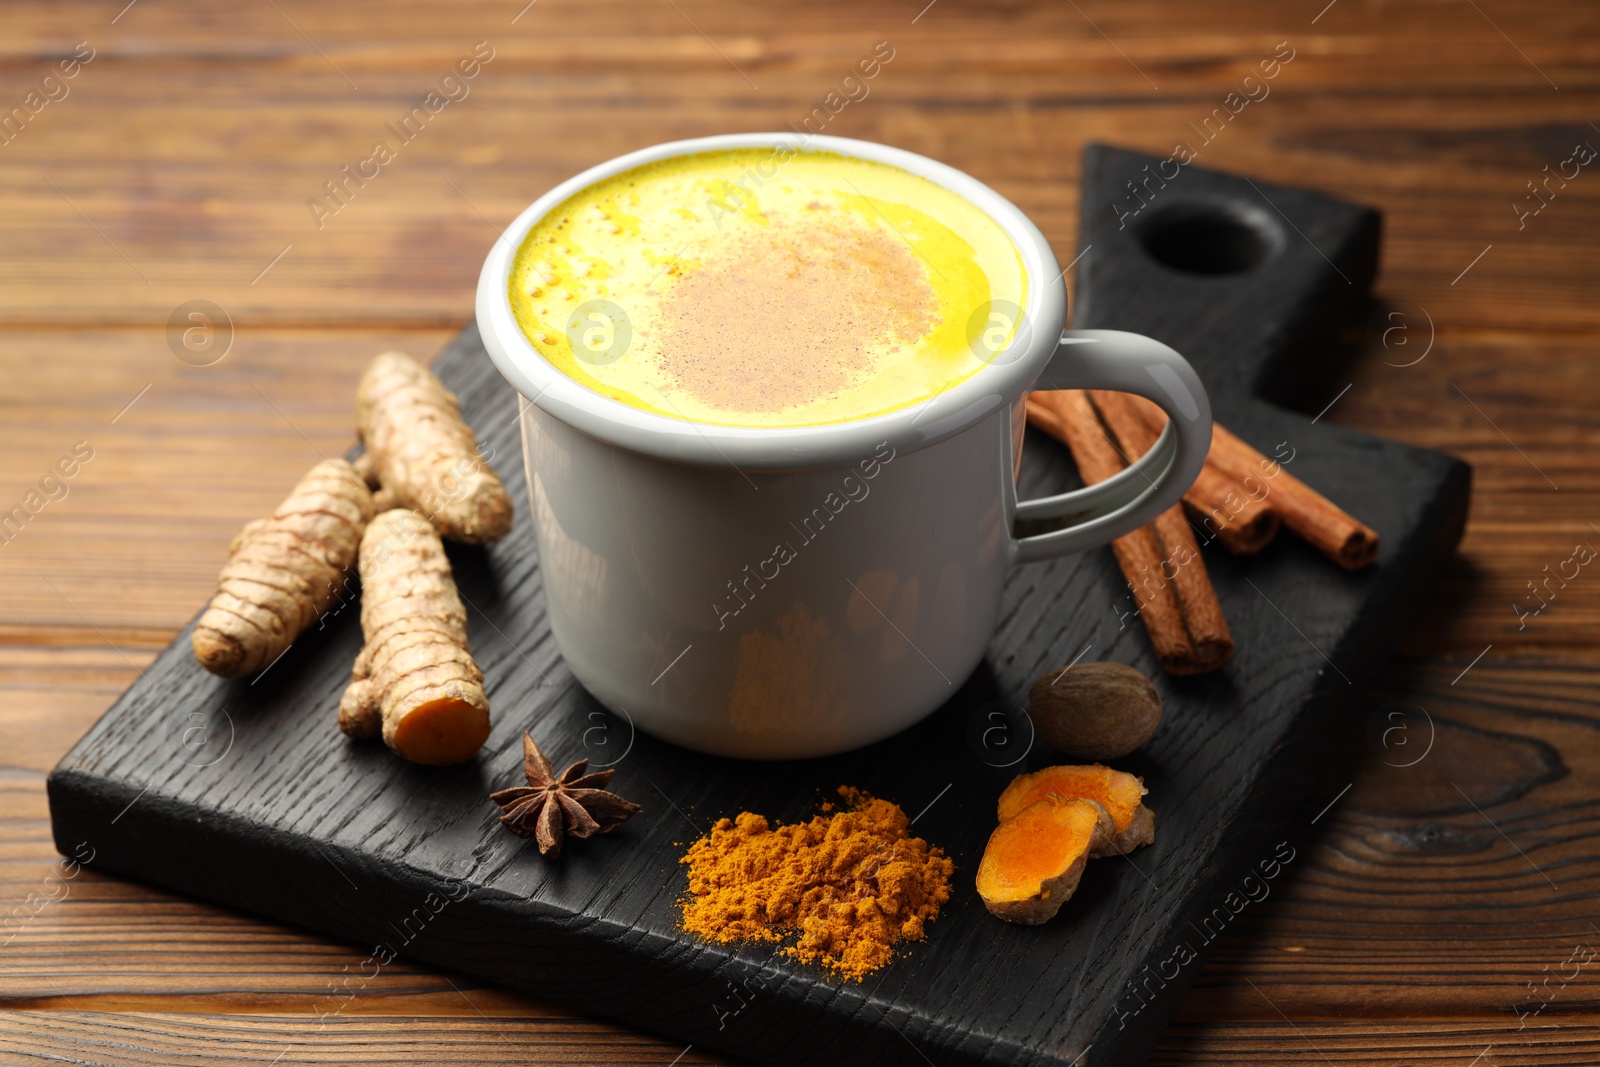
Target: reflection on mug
point(789, 680)
point(879, 601)
point(581, 568)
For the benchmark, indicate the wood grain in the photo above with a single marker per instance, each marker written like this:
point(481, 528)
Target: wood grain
point(197, 135)
point(174, 1040)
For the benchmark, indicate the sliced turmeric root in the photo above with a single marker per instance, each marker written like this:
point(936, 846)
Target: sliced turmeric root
point(1120, 793)
point(1034, 859)
point(448, 730)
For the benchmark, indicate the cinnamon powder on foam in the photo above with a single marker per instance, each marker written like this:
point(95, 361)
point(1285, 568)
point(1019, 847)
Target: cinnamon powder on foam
point(847, 885)
point(792, 314)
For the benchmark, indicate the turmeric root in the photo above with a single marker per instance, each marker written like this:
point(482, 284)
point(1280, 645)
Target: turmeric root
point(283, 572)
point(1035, 859)
point(1119, 793)
point(423, 455)
point(382, 499)
point(415, 681)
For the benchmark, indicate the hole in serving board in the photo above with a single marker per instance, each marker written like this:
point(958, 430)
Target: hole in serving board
point(1210, 238)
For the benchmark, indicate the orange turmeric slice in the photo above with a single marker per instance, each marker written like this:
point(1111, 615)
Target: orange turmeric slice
point(1035, 859)
point(1120, 793)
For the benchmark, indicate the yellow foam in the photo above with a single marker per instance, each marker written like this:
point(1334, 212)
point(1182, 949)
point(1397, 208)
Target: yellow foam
point(752, 288)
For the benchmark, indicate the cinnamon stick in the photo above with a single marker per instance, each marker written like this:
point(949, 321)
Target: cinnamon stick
point(1241, 522)
point(1343, 538)
point(1346, 540)
point(1202, 612)
point(1068, 416)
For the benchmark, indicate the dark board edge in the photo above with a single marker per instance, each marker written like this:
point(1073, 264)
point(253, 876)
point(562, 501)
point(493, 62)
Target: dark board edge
point(1283, 377)
point(244, 866)
point(1281, 792)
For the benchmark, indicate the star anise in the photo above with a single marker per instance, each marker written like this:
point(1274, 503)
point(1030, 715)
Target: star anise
point(549, 808)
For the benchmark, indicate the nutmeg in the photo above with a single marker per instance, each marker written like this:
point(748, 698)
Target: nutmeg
point(1094, 711)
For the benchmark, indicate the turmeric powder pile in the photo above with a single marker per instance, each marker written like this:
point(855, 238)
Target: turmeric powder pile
point(850, 883)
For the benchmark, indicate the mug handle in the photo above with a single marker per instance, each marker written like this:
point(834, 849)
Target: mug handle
point(1125, 363)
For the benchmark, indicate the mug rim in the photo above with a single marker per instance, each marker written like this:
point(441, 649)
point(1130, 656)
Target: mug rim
point(914, 426)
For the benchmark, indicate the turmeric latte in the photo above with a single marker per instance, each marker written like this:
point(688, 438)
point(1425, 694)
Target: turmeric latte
point(767, 288)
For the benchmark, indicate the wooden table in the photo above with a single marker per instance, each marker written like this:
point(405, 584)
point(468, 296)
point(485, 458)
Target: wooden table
point(1439, 911)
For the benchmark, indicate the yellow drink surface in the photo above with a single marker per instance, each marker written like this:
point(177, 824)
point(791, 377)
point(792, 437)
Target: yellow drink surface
point(763, 288)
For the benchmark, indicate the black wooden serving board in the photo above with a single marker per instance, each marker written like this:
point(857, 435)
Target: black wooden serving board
point(244, 792)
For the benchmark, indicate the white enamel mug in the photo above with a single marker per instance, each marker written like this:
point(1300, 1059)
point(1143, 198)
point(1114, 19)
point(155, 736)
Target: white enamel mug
point(785, 593)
